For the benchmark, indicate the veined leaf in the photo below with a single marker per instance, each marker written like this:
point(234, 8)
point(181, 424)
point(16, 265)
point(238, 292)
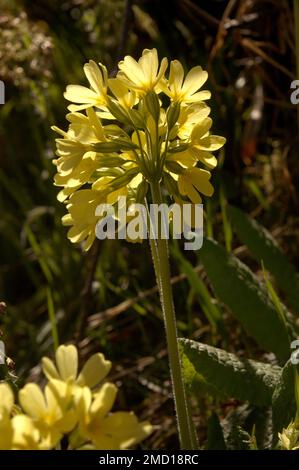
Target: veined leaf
point(222, 374)
point(238, 288)
point(210, 310)
point(263, 247)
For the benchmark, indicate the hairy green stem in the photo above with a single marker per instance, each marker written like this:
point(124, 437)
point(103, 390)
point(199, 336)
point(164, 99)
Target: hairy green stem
point(161, 264)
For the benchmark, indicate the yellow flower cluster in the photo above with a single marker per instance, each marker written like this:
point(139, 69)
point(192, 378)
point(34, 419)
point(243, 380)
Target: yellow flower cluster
point(76, 406)
point(157, 129)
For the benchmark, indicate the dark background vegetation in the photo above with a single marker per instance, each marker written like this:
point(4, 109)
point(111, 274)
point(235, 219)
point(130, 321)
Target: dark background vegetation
point(106, 300)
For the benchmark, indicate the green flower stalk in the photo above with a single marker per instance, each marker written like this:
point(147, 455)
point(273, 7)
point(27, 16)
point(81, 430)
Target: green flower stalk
point(127, 136)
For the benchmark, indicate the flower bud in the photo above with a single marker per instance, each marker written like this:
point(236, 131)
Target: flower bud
point(172, 114)
point(136, 118)
point(114, 146)
point(118, 111)
point(151, 101)
point(177, 146)
point(141, 191)
point(171, 185)
point(110, 161)
point(174, 167)
point(124, 179)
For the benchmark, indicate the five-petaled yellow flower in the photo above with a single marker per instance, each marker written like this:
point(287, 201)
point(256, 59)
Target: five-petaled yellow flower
point(96, 95)
point(106, 430)
point(144, 75)
point(185, 90)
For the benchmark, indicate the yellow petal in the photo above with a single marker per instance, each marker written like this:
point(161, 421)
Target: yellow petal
point(32, 400)
point(67, 362)
point(125, 428)
point(49, 368)
point(187, 189)
point(94, 76)
point(211, 143)
point(201, 129)
point(6, 398)
point(149, 63)
point(6, 433)
point(131, 69)
point(79, 107)
point(200, 96)
point(200, 179)
point(89, 241)
point(103, 401)
point(195, 78)
point(135, 182)
point(94, 371)
point(80, 94)
point(82, 399)
point(187, 158)
point(78, 233)
point(162, 70)
point(67, 220)
point(26, 435)
point(207, 158)
point(176, 76)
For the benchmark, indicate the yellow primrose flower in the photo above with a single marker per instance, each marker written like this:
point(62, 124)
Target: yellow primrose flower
point(17, 432)
point(66, 367)
point(71, 152)
point(82, 208)
point(189, 117)
point(201, 144)
point(80, 175)
point(83, 131)
point(6, 405)
point(86, 97)
point(185, 91)
point(106, 430)
point(144, 75)
point(77, 161)
point(194, 181)
point(82, 205)
point(50, 411)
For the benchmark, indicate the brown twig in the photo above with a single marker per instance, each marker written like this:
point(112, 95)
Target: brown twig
point(97, 318)
point(123, 34)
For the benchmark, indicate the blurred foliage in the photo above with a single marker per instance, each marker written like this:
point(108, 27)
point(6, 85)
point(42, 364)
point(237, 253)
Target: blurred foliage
point(107, 300)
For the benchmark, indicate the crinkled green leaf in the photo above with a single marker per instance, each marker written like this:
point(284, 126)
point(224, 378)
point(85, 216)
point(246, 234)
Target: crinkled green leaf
point(223, 374)
point(263, 247)
point(237, 287)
